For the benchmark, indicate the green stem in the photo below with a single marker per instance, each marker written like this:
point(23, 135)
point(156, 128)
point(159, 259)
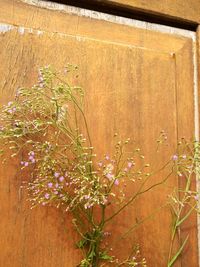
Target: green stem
point(139, 192)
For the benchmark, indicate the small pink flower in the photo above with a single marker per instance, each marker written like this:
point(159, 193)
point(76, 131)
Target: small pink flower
point(61, 179)
point(50, 185)
point(32, 153)
point(130, 164)
point(56, 185)
point(33, 160)
point(47, 195)
point(109, 176)
point(56, 174)
point(22, 163)
point(174, 157)
point(10, 103)
point(56, 192)
point(31, 157)
point(116, 182)
point(25, 163)
point(107, 157)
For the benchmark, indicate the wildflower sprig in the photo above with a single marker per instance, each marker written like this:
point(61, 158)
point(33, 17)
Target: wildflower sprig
point(46, 129)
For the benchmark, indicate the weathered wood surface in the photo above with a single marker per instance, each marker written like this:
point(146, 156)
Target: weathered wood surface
point(180, 9)
point(137, 82)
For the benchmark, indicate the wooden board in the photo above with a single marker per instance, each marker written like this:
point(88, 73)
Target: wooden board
point(179, 9)
point(137, 82)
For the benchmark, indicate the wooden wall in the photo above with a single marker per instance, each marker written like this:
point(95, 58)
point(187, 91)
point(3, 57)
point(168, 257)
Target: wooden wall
point(137, 81)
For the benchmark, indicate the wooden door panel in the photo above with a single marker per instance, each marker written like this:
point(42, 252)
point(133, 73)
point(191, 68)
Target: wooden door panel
point(138, 83)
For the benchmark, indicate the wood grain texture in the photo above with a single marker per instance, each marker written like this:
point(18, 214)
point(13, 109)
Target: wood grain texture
point(183, 57)
point(179, 9)
point(17, 13)
point(198, 64)
point(138, 83)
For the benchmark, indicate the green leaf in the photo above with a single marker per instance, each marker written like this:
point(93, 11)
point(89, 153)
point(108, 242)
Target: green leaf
point(185, 217)
point(104, 256)
point(172, 261)
point(82, 243)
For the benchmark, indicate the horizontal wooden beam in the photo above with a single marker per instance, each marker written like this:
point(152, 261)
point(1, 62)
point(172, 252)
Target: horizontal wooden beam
point(183, 9)
point(180, 13)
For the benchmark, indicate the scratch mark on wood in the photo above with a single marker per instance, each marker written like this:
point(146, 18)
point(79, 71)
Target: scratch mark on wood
point(83, 38)
point(5, 28)
point(21, 30)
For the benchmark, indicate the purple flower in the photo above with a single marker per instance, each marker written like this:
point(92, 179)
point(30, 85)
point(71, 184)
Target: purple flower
point(174, 157)
point(109, 176)
point(47, 195)
point(33, 160)
point(56, 192)
point(10, 111)
point(31, 157)
point(32, 153)
point(41, 84)
point(56, 174)
point(50, 185)
point(61, 179)
point(25, 163)
point(130, 164)
point(10, 103)
point(116, 182)
point(107, 157)
point(22, 163)
point(14, 109)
